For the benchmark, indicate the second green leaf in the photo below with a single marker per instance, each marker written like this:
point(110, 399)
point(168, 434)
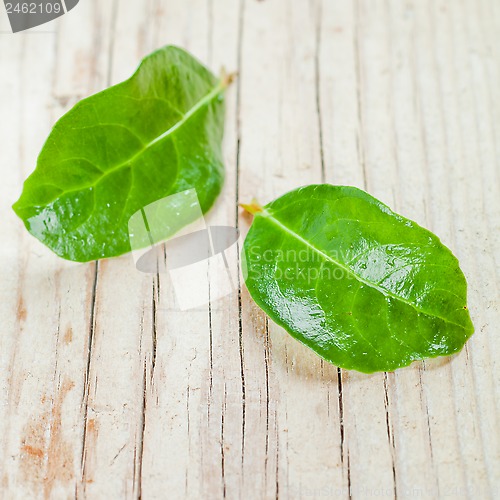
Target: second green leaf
point(363, 287)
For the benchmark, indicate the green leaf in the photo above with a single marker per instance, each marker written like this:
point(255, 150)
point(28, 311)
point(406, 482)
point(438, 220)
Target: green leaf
point(363, 287)
point(155, 134)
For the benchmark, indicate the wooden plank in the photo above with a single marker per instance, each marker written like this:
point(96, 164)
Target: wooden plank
point(36, 456)
point(192, 429)
point(109, 390)
point(279, 88)
point(120, 318)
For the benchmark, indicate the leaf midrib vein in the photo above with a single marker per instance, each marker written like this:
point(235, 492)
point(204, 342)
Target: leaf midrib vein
point(277, 222)
point(200, 104)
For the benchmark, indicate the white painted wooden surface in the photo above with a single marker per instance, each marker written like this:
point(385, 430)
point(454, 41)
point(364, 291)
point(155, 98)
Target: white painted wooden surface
point(108, 392)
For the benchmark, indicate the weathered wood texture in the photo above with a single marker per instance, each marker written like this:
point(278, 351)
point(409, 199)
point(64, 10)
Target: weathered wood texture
point(108, 391)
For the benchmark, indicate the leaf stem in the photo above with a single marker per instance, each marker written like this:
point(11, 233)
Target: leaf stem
point(254, 207)
point(226, 78)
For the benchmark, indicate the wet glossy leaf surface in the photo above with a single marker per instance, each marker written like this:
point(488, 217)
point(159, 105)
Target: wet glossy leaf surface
point(362, 286)
point(112, 154)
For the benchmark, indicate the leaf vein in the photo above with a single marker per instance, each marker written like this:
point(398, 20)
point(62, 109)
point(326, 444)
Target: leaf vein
point(350, 271)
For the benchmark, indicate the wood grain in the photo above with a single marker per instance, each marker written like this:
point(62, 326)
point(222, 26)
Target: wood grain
point(109, 391)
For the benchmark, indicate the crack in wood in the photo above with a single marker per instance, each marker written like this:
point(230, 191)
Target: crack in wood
point(86, 385)
point(238, 166)
point(222, 443)
point(139, 448)
point(266, 365)
point(357, 60)
point(317, 85)
point(341, 413)
point(390, 435)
